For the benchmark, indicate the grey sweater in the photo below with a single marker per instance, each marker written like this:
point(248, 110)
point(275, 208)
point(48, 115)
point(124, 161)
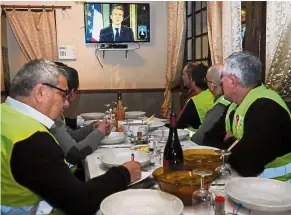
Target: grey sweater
point(76, 144)
point(212, 116)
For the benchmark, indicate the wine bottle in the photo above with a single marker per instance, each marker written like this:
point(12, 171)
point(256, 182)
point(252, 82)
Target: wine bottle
point(173, 154)
point(119, 111)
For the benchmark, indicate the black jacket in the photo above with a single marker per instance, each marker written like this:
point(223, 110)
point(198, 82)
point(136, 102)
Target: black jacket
point(126, 34)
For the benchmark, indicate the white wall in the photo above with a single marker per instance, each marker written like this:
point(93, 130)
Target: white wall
point(144, 68)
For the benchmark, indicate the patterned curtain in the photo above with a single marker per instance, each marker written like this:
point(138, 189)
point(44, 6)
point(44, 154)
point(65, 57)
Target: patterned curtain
point(279, 75)
point(35, 33)
point(224, 29)
point(176, 42)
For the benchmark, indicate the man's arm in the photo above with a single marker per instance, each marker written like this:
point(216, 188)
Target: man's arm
point(266, 136)
point(213, 116)
point(189, 117)
point(38, 164)
point(74, 151)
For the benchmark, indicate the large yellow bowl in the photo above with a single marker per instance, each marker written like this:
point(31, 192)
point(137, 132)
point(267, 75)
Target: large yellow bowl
point(201, 158)
point(180, 183)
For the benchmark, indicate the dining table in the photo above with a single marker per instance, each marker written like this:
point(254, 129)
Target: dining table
point(94, 168)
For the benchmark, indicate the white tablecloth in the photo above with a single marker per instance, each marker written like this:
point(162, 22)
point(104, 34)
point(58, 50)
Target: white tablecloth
point(93, 168)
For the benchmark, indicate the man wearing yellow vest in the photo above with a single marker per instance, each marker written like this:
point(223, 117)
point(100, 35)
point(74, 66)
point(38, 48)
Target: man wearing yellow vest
point(200, 98)
point(218, 111)
point(32, 162)
point(259, 118)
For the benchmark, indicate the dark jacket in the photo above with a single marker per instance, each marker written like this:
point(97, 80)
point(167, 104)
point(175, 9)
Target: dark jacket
point(126, 34)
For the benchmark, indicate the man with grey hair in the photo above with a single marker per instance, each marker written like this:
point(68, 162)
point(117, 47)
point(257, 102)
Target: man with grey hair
point(33, 164)
point(258, 119)
point(218, 111)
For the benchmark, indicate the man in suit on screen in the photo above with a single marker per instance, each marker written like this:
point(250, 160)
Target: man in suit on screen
point(116, 32)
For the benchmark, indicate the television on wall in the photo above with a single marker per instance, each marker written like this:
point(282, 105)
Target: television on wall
point(117, 22)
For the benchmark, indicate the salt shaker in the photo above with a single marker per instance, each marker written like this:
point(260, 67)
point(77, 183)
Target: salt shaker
point(219, 205)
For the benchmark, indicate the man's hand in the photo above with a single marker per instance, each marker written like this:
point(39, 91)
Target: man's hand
point(104, 126)
point(134, 170)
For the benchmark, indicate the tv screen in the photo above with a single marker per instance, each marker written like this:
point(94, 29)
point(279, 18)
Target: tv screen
point(117, 22)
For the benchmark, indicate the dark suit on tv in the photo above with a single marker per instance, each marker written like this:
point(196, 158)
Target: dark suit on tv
point(107, 35)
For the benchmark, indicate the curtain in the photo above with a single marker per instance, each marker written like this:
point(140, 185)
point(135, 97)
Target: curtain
point(175, 53)
point(279, 75)
point(224, 29)
point(35, 33)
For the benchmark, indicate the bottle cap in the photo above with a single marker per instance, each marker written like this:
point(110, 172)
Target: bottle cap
point(219, 199)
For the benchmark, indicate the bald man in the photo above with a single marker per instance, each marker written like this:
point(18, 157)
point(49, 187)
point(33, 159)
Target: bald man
point(213, 80)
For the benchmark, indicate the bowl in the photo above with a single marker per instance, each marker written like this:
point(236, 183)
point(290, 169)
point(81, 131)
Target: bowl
point(133, 128)
point(180, 183)
point(201, 158)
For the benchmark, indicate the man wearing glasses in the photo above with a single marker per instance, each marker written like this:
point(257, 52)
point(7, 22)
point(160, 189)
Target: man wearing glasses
point(33, 164)
point(218, 111)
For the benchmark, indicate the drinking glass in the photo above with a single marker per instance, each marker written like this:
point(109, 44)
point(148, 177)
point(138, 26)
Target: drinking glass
point(202, 198)
point(223, 172)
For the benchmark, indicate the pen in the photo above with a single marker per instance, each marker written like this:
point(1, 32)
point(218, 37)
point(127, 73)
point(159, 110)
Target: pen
point(132, 157)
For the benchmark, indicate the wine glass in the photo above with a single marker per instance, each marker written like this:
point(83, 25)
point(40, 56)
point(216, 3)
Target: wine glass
point(223, 172)
point(202, 198)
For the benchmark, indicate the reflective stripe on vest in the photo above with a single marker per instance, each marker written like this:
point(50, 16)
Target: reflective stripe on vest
point(16, 127)
point(203, 103)
point(276, 168)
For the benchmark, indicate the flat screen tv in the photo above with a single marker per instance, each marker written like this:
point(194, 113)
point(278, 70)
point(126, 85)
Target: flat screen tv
point(117, 22)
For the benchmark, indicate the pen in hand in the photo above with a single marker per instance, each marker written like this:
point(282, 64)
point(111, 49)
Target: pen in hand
point(132, 157)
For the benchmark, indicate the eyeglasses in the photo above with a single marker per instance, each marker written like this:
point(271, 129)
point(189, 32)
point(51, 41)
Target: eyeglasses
point(64, 93)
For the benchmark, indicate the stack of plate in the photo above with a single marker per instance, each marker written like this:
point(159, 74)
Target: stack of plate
point(141, 202)
point(260, 194)
point(134, 114)
point(114, 138)
point(182, 134)
point(112, 159)
point(92, 116)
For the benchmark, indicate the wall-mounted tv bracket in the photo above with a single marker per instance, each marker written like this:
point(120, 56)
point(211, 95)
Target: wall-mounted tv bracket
point(115, 47)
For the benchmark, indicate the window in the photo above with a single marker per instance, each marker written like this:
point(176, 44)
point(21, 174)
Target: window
point(197, 46)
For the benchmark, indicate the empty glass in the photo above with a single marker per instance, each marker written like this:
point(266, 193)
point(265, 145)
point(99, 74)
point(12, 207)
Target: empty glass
point(202, 198)
point(223, 172)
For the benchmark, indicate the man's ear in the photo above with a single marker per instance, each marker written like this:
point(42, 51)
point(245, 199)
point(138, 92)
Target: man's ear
point(39, 93)
point(234, 80)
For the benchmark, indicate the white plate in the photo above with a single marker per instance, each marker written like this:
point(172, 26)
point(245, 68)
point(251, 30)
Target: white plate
point(260, 194)
point(113, 138)
point(141, 202)
point(154, 124)
point(88, 122)
point(134, 114)
point(181, 133)
point(92, 116)
point(112, 159)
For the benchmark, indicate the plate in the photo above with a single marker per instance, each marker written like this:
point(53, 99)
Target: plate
point(112, 159)
point(113, 138)
point(88, 122)
point(141, 202)
point(154, 124)
point(92, 116)
point(181, 133)
point(260, 194)
point(134, 114)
